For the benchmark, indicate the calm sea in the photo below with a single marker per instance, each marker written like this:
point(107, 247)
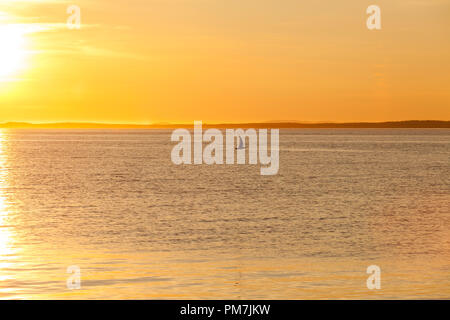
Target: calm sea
point(139, 227)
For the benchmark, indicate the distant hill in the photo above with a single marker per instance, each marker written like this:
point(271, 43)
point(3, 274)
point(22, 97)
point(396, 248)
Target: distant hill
point(281, 125)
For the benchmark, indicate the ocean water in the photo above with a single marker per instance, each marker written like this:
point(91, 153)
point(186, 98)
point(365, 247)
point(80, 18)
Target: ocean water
point(139, 227)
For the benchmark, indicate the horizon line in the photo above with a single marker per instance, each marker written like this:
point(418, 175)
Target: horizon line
point(268, 124)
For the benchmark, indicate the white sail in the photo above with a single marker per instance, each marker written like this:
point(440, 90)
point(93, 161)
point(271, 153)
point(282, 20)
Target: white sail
point(241, 143)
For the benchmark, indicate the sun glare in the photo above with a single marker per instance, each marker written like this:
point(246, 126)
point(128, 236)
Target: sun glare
point(12, 50)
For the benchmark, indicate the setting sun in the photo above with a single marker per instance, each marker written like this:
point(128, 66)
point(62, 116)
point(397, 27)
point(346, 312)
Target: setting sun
point(224, 154)
point(12, 54)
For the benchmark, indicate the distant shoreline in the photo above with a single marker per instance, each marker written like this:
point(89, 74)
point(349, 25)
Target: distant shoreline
point(411, 124)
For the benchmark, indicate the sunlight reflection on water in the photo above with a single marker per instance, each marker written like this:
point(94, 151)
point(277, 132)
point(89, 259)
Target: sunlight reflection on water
point(112, 203)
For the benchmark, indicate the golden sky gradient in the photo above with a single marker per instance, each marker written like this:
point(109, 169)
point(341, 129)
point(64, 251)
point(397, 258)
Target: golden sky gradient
point(144, 61)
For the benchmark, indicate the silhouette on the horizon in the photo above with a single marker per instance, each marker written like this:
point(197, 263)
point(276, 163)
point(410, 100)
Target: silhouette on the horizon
point(265, 125)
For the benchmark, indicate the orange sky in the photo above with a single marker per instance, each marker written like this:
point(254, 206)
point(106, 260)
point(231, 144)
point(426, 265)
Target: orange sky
point(142, 61)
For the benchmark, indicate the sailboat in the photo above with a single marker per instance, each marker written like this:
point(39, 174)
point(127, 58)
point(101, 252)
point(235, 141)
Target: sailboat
point(241, 144)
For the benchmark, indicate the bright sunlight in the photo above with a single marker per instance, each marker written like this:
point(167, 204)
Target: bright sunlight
point(12, 50)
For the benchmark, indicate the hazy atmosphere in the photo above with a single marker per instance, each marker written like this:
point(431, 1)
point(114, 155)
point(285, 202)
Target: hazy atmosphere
point(224, 149)
point(147, 61)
